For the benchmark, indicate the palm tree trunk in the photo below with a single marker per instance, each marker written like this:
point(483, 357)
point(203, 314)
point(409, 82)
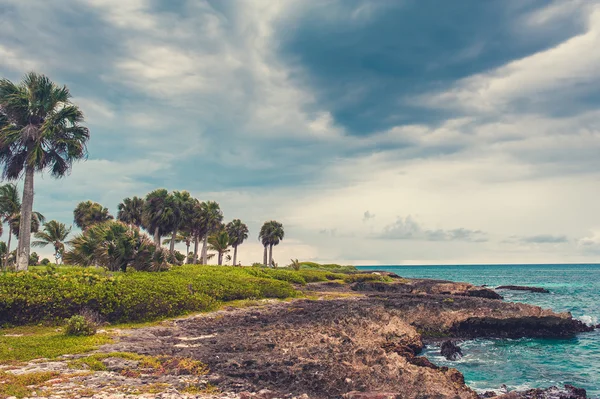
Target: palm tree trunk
point(220, 258)
point(265, 256)
point(205, 250)
point(173, 238)
point(8, 246)
point(270, 255)
point(157, 237)
point(56, 257)
point(195, 259)
point(235, 255)
point(25, 224)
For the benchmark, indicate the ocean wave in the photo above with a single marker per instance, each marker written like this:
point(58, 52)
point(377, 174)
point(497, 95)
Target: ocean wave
point(589, 320)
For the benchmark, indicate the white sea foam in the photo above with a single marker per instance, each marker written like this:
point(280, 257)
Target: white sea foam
point(589, 320)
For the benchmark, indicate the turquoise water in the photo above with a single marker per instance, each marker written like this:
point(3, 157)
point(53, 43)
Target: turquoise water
point(528, 363)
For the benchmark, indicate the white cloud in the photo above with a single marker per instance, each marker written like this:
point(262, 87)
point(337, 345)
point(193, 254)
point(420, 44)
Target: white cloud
point(567, 69)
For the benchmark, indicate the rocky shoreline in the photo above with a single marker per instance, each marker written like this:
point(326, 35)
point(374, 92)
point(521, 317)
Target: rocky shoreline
point(358, 341)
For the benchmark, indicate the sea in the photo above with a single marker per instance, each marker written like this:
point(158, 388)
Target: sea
point(526, 363)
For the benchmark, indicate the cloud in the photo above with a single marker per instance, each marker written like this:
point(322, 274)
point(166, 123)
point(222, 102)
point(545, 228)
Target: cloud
point(409, 229)
point(538, 239)
point(368, 216)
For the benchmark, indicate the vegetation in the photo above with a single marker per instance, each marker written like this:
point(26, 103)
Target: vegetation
point(22, 344)
point(219, 242)
point(55, 233)
point(116, 246)
point(40, 130)
point(19, 385)
point(80, 325)
point(130, 211)
point(325, 267)
point(89, 213)
point(271, 234)
point(238, 233)
point(54, 294)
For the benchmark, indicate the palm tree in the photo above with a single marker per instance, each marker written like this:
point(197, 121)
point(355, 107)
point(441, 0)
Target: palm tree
point(130, 211)
point(219, 242)
point(55, 233)
point(36, 220)
point(184, 236)
point(180, 204)
point(211, 217)
point(88, 213)
point(40, 130)
point(271, 233)
point(10, 208)
point(238, 232)
point(194, 224)
point(157, 215)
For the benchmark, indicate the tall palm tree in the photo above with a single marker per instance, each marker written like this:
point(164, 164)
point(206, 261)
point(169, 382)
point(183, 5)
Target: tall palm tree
point(238, 232)
point(263, 236)
point(40, 130)
point(158, 214)
point(212, 217)
point(194, 224)
point(88, 213)
point(55, 233)
point(10, 208)
point(180, 204)
point(271, 233)
point(36, 220)
point(130, 211)
point(184, 236)
point(219, 242)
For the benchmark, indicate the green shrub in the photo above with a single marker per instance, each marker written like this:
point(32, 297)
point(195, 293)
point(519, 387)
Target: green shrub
point(80, 325)
point(365, 277)
point(55, 294)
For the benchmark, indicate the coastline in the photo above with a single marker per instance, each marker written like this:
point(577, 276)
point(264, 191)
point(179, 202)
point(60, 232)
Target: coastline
point(359, 340)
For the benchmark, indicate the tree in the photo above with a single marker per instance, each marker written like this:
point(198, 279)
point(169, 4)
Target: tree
point(88, 213)
point(130, 211)
point(271, 233)
point(211, 217)
point(34, 259)
point(36, 220)
point(238, 233)
point(157, 214)
point(3, 254)
point(219, 242)
point(10, 208)
point(180, 203)
point(183, 236)
point(55, 233)
point(40, 130)
point(116, 246)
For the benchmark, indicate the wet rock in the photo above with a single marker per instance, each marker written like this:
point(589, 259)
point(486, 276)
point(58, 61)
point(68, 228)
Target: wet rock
point(569, 392)
point(523, 288)
point(451, 351)
point(483, 293)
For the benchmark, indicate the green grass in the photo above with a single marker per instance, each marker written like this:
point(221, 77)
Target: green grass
point(30, 343)
point(18, 385)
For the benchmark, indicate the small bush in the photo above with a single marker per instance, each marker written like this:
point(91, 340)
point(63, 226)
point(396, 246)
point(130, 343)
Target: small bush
point(365, 277)
point(80, 325)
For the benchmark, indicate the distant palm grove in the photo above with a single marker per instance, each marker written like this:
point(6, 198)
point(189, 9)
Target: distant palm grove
point(41, 130)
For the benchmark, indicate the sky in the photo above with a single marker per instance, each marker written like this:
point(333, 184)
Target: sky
point(378, 132)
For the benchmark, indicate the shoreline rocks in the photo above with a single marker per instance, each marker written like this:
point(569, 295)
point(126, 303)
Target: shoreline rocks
point(451, 351)
point(523, 288)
